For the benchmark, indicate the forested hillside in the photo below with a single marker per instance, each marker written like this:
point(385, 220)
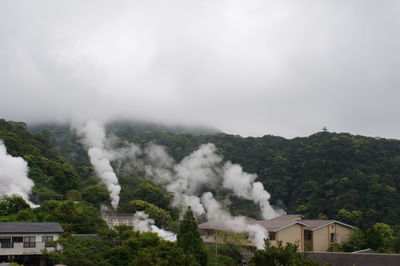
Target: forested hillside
point(327, 175)
point(52, 174)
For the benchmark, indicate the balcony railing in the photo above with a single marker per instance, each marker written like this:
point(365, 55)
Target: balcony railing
point(19, 249)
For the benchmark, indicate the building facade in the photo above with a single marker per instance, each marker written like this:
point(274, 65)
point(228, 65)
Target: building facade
point(310, 235)
point(116, 219)
point(320, 235)
point(22, 241)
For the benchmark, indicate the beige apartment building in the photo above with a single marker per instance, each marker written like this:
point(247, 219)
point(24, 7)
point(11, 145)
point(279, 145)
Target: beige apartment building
point(320, 235)
point(310, 235)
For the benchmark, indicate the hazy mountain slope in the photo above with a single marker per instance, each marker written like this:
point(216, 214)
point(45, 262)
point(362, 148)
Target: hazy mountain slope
point(52, 174)
point(352, 178)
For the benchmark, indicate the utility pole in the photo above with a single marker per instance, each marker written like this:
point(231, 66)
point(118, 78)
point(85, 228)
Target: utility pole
point(216, 247)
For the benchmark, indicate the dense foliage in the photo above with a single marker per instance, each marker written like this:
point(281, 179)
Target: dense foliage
point(53, 176)
point(380, 237)
point(74, 217)
point(354, 179)
point(281, 255)
point(188, 238)
point(326, 175)
point(121, 247)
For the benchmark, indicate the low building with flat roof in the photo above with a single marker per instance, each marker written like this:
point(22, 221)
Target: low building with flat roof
point(116, 219)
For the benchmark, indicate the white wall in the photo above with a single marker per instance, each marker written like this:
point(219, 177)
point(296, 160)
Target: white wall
point(19, 247)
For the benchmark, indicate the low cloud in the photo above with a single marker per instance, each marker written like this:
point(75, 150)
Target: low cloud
point(252, 68)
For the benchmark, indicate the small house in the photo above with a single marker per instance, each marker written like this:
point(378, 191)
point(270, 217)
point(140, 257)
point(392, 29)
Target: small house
point(25, 242)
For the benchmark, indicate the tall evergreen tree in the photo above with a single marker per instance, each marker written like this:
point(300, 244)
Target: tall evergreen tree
point(189, 239)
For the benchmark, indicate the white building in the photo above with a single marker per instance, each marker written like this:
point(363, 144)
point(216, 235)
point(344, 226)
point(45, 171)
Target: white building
point(20, 242)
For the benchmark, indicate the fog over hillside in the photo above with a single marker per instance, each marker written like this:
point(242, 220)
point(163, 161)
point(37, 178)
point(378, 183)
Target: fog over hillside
point(252, 68)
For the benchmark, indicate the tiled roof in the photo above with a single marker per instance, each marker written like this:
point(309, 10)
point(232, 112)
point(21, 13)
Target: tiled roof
point(7, 227)
point(270, 225)
point(276, 225)
point(288, 217)
point(316, 224)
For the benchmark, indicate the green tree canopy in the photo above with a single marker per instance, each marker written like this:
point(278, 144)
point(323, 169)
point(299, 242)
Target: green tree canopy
point(280, 255)
point(13, 204)
point(161, 217)
point(189, 239)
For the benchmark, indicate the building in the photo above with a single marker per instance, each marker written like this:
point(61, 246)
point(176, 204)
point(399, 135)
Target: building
point(310, 235)
point(115, 219)
point(320, 235)
point(24, 242)
point(285, 228)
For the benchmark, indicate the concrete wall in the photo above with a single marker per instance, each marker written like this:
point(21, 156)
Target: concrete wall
point(322, 237)
point(292, 234)
point(351, 259)
point(19, 249)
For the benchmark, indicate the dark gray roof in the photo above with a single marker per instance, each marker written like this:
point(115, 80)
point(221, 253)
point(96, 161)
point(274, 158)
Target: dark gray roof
point(277, 225)
point(288, 217)
point(6, 227)
point(316, 224)
point(351, 259)
point(270, 225)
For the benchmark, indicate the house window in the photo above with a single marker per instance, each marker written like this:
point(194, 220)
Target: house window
point(29, 241)
point(5, 242)
point(17, 239)
point(46, 240)
point(308, 235)
point(333, 238)
point(271, 235)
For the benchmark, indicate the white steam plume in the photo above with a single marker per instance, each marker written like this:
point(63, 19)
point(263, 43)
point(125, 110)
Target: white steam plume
point(94, 138)
point(186, 178)
point(14, 175)
point(243, 185)
point(202, 168)
point(142, 223)
point(238, 224)
point(159, 164)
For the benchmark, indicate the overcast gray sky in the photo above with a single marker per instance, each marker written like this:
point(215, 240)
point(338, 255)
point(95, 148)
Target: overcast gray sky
point(250, 67)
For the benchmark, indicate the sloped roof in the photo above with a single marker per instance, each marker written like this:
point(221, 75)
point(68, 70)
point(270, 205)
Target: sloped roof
point(11, 227)
point(277, 225)
point(217, 225)
point(270, 225)
point(288, 217)
point(313, 225)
